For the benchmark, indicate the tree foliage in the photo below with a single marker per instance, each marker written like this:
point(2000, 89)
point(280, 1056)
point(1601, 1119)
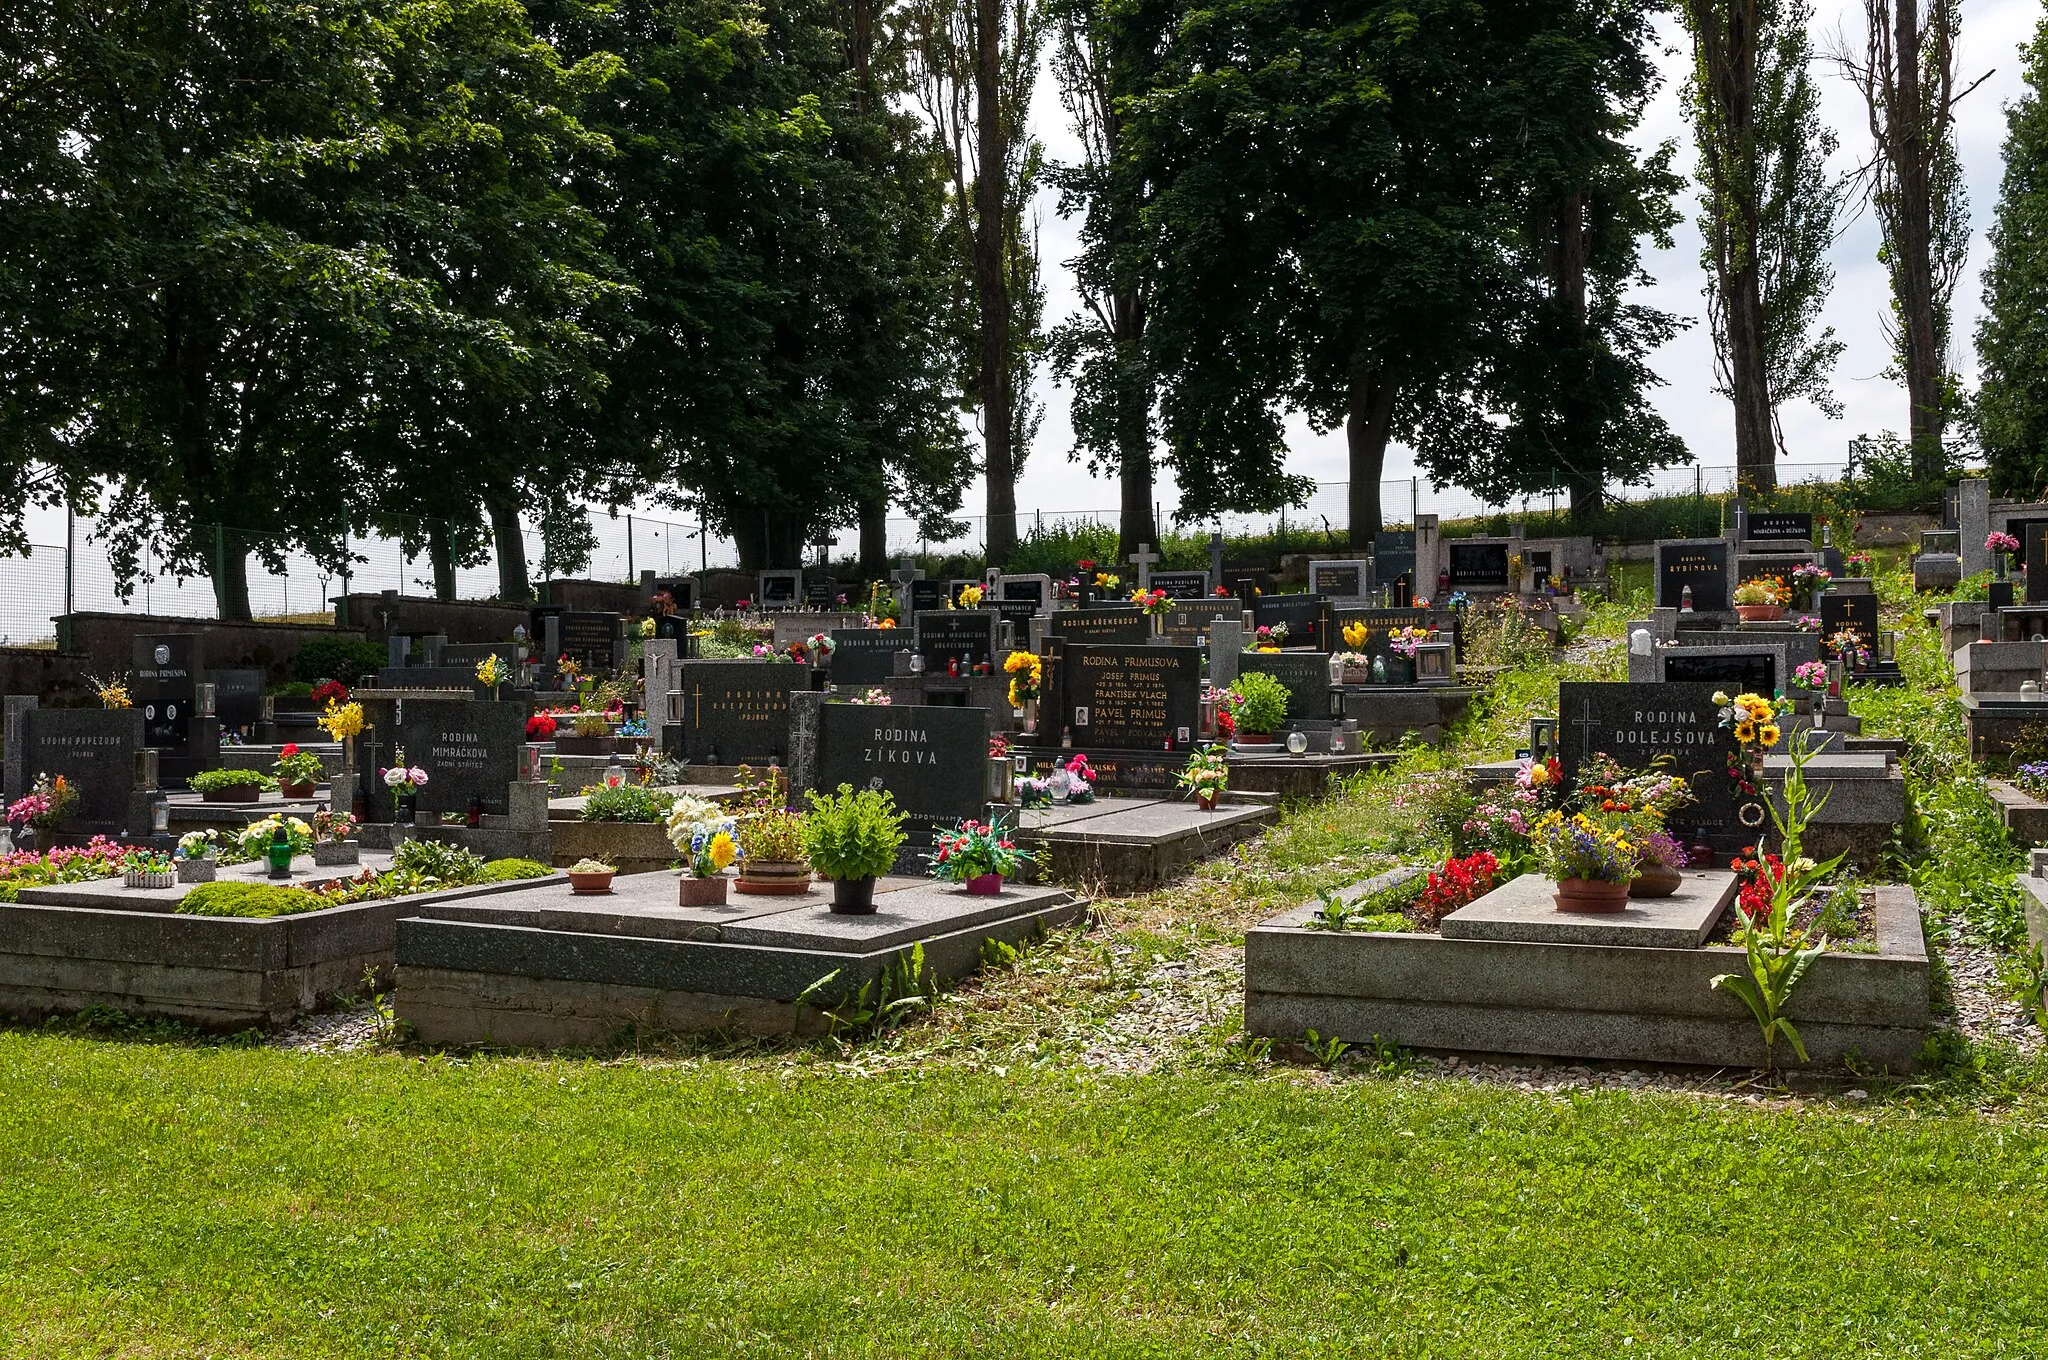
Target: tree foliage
point(2012, 338)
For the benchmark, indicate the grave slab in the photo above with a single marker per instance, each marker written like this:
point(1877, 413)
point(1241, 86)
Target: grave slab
point(1522, 909)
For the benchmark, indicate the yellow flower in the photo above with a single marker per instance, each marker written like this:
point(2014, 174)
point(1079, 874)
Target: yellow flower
point(721, 851)
point(1355, 634)
point(1720, 698)
point(1768, 734)
point(342, 721)
point(1745, 732)
point(970, 597)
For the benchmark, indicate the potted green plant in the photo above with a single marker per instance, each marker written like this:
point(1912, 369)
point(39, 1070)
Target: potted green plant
point(590, 878)
point(298, 772)
point(852, 838)
point(1261, 707)
point(978, 856)
point(772, 860)
point(1762, 599)
point(1592, 864)
point(232, 786)
point(1206, 775)
point(702, 833)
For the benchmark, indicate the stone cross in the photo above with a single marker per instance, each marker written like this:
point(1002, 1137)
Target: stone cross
point(1143, 559)
point(903, 576)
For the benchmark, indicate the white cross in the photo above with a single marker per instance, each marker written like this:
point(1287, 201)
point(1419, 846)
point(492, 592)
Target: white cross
point(1143, 559)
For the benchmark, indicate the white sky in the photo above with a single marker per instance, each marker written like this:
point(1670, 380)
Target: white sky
point(1993, 31)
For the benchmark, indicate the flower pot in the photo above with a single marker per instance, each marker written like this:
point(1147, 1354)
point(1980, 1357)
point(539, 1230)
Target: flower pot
point(1590, 895)
point(692, 891)
point(1655, 880)
point(985, 885)
point(151, 878)
point(1205, 799)
point(1356, 675)
point(1760, 613)
point(196, 870)
point(590, 885)
point(1255, 738)
point(331, 853)
point(295, 790)
point(235, 793)
point(854, 896)
point(773, 878)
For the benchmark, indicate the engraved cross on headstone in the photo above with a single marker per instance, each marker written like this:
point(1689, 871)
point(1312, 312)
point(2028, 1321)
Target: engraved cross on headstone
point(1143, 560)
point(1586, 725)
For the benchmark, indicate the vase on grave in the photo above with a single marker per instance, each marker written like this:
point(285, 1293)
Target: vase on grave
point(1400, 670)
point(1998, 567)
point(692, 891)
point(1379, 670)
point(1205, 799)
point(985, 885)
point(1654, 879)
point(1591, 895)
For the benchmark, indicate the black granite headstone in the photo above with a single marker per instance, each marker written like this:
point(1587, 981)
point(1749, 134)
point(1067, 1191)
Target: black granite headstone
point(1343, 580)
point(1125, 698)
point(2035, 547)
point(1638, 723)
point(780, 589)
point(1780, 527)
point(1704, 567)
point(737, 712)
point(1393, 555)
point(1027, 589)
point(1182, 585)
point(1378, 624)
point(866, 656)
point(1858, 611)
point(821, 592)
point(1305, 674)
point(470, 750)
point(588, 637)
point(934, 761)
point(962, 636)
point(927, 597)
point(94, 750)
point(681, 589)
point(167, 667)
point(1106, 626)
point(1479, 565)
point(237, 698)
point(1736, 672)
point(1307, 618)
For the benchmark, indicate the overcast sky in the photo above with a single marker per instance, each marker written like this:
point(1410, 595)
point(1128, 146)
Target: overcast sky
point(1993, 31)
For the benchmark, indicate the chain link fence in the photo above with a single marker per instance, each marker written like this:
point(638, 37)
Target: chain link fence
point(55, 578)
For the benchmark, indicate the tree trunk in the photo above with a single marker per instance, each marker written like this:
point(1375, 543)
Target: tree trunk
point(230, 576)
point(1370, 417)
point(991, 286)
point(1912, 267)
point(441, 553)
point(768, 539)
point(1134, 449)
point(1578, 423)
point(874, 538)
point(513, 585)
point(1756, 443)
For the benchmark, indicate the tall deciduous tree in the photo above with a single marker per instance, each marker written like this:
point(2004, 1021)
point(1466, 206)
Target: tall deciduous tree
point(1559, 396)
point(1907, 77)
point(1768, 209)
point(976, 63)
point(2012, 338)
point(1321, 227)
point(1101, 349)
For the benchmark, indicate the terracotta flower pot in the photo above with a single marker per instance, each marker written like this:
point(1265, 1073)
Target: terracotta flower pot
point(590, 885)
point(1255, 738)
point(1205, 799)
point(1591, 895)
point(773, 878)
point(692, 891)
point(1655, 880)
point(295, 790)
point(1760, 613)
point(854, 896)
point(985, 885)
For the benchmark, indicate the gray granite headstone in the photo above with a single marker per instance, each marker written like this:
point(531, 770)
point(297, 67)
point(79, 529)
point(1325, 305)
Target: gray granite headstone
point(1350, 580)
point(18, 775)
point(470, 750)
point(1226, 650)
point(1132, 698)
point(1187, 623)
point(589, 638)
point(1973, 520)
point(782, 588)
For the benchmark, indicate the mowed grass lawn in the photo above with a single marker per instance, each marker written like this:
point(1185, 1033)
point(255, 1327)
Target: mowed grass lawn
point(171, 1201)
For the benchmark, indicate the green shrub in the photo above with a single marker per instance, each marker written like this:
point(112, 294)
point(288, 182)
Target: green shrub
point(292, 689)
point(626, 803)
point(249, 899)
point(1265, 702)
point(213, 781)
point(511, 870)
point(336, 658)
point(852, 835)
point(438, 863)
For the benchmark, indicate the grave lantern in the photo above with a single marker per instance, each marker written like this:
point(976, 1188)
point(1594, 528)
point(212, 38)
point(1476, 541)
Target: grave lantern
point(614, 773)
point(1886, 643)
point(1206, 721)
point(206, 693)
point(1297, 743)
point(160, 816)
point(1542, 738)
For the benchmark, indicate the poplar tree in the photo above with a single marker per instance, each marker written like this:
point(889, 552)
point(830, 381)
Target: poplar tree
point(2012, 338)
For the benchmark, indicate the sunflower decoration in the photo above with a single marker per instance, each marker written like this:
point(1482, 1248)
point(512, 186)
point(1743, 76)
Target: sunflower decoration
point(1751, 717)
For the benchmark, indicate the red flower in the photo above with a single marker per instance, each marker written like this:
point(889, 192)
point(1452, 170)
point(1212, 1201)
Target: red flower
point(290, 748)
point(540, 727)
